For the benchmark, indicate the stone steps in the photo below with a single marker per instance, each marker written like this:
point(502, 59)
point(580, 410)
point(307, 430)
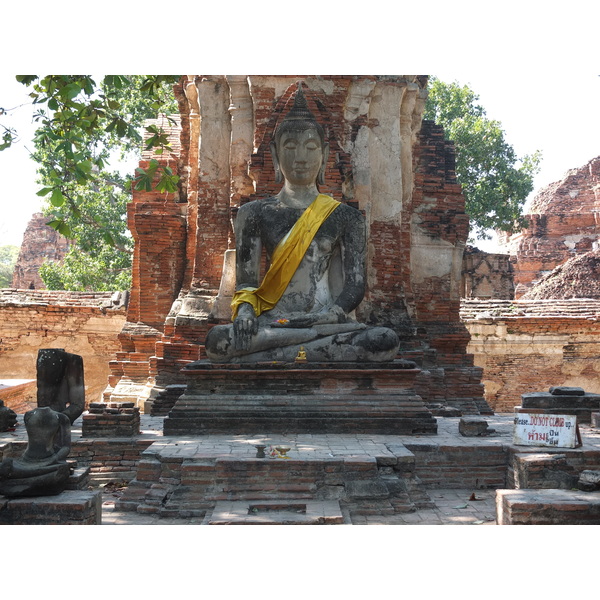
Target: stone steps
point(172, 484)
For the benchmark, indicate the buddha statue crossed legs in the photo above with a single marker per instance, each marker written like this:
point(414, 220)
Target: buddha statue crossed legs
point(316, 247)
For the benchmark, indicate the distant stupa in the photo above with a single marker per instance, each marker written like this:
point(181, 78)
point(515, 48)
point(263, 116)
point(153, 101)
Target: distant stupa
point(40, 243)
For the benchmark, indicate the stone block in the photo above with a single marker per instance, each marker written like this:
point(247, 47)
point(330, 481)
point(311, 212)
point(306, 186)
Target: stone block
point(473, 427)
point(547, 507)
point(71, 507)
point(589, 481)
point(543, 471)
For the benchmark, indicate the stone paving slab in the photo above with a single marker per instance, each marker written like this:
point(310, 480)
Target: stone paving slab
point(451, 507)
point(448, 434)
point(274, 512)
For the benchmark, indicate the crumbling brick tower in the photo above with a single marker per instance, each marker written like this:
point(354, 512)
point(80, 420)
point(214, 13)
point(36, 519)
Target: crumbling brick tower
point(383, 160)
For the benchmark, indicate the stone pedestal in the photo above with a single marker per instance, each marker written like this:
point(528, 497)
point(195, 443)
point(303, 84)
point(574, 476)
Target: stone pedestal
point(114, 419)
point(563, 401)
point(300, 397)
point(67, 508)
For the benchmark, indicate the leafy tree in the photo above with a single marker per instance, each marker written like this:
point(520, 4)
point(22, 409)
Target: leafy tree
point(495, 181)
point(8, 258)
point(83, 128)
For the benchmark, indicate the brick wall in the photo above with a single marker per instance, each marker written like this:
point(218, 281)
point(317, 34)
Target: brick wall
point(530, 346)
point(82, 323)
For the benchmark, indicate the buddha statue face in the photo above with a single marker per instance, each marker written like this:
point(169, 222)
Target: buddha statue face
point(299, 149)
point(300, 156)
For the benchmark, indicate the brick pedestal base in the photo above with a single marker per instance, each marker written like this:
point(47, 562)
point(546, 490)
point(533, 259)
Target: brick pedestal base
point(547, 507)
point(300, 397)
point(67, 508)
point(114, 419)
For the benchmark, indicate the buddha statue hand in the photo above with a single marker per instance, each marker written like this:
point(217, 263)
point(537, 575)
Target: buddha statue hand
point(244, 327)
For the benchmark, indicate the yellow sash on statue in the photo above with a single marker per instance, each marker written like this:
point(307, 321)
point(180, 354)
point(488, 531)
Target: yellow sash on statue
point(286, 258)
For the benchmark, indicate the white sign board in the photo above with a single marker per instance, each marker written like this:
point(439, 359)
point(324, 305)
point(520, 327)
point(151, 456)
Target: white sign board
point(557, 431)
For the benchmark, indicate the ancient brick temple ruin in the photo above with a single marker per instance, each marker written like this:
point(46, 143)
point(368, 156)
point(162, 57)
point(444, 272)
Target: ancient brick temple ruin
point(533, 312)
point(40, 243)
point(384, 160)
point(563, 225)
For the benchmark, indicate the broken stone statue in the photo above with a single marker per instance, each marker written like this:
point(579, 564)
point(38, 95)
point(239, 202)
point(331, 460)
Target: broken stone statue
point(316, 247)
point(43, 469)
point(8, 418)
point(60, 383)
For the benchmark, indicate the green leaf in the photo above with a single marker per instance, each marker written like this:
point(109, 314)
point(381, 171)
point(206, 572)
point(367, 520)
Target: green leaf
point(44, 191)
point(57, 199)
point(70, 91)
point(60, 226)
point(85, 166)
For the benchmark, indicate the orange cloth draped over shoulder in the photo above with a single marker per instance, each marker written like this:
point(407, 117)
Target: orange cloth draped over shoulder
point(286, 258)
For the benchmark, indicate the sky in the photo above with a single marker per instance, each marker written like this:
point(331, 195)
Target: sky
point(534, 65)
point(534, 68)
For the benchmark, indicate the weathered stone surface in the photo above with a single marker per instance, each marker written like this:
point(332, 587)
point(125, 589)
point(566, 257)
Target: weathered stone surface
point(486, 275)
point(274, 512)
point(473, 427)
point(561, 223)
point(567, 391)
point(172, 483)
point(527, 345)
point(328, 397)
point(543, 471)
point(574, 404)
point(114, 420)
point(589, 481)
point(84, 323)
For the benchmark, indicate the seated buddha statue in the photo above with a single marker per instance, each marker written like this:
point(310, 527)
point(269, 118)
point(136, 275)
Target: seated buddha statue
point(42, 469)
point(316, 248)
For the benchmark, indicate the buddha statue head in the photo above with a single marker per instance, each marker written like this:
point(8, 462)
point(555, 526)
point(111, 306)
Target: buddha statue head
point(299, 130)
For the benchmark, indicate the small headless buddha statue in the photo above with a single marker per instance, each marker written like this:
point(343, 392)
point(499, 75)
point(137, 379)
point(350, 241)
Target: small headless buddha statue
point(316, 247)
point(43, 469)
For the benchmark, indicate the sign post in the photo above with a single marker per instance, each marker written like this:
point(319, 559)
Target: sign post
point(554, 431)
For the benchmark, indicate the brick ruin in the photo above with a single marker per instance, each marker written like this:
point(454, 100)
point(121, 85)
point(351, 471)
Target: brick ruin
point(528, 346)
point(545, 332)
point(563, 224)
point(40, 243)
point(384, 160)
point(487, 275)
point(521, 344)
point(84, 323)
